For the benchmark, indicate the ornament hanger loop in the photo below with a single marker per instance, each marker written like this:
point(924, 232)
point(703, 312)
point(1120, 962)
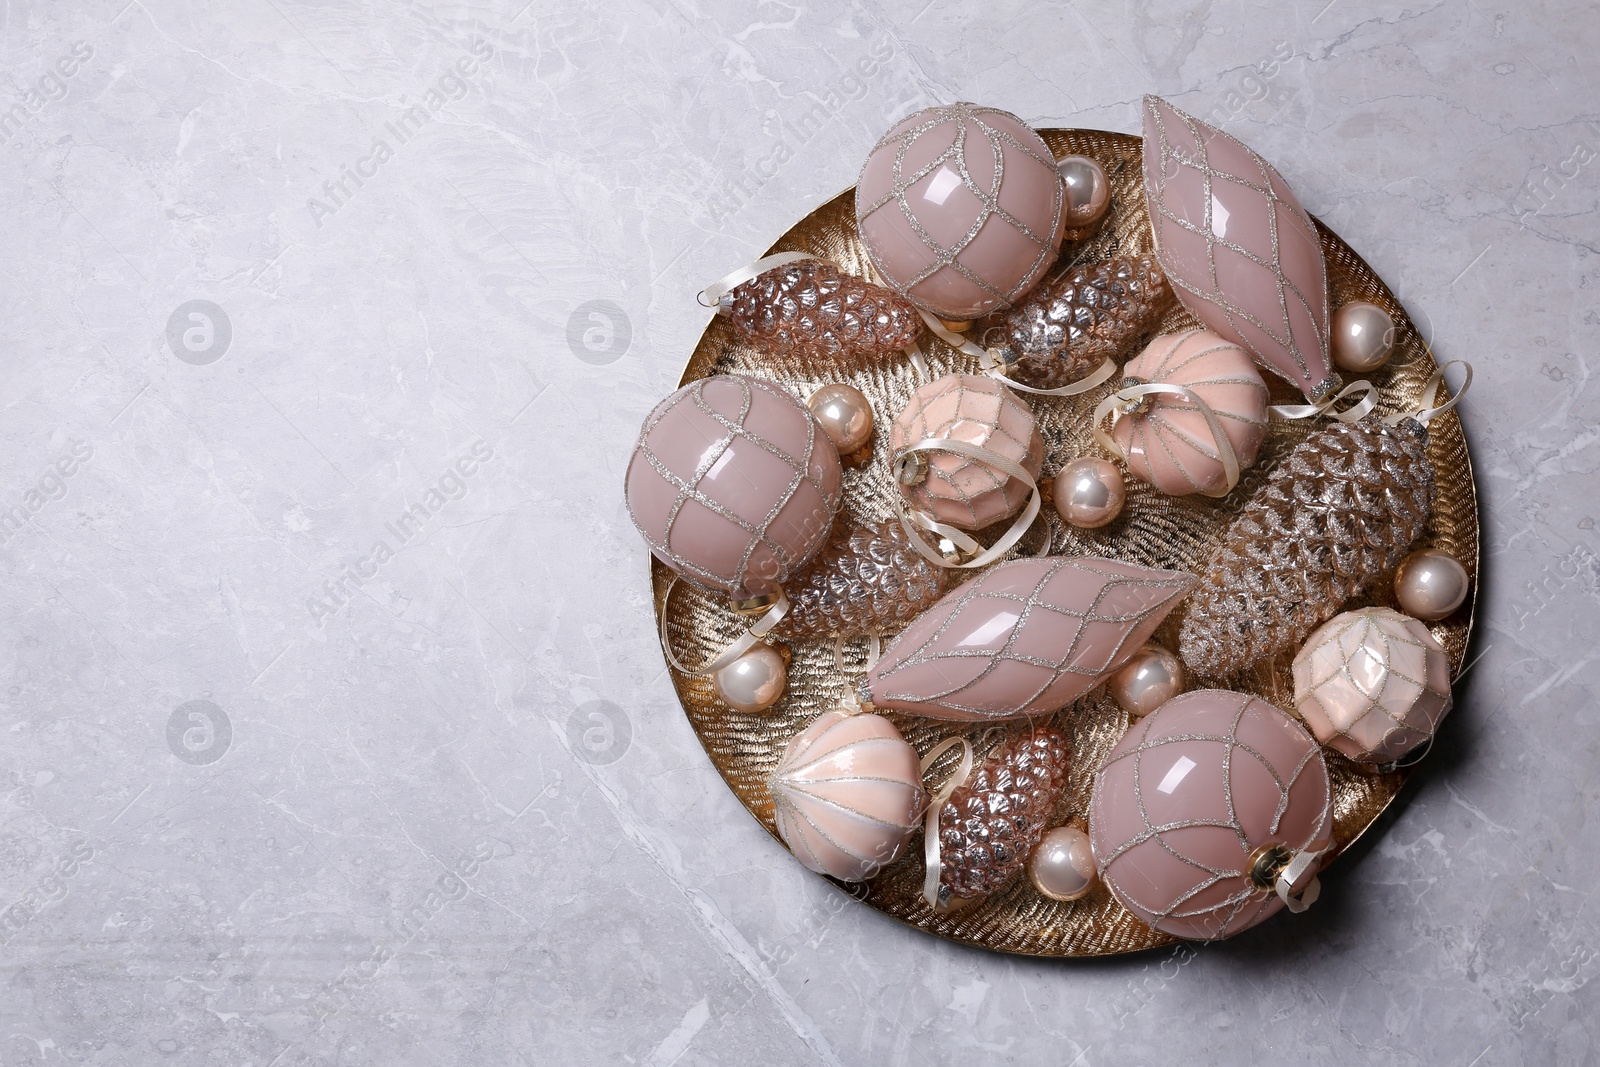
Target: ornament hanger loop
point(909, 468)
point(1429, 401)
point(930, 826)
point(711, 296)
point(995, 366)
point(738, 647)
point(1328, 406)
point(1133, 393)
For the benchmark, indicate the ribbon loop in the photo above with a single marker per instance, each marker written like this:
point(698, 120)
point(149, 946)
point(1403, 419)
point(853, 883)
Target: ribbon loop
point(916, 523)
point(1429, 401)
point(1354, 413)
point(995, 366)
point(1125, 400)
point(930, 825)
point(1292, 873)
point(733, 650)
point(711, 296)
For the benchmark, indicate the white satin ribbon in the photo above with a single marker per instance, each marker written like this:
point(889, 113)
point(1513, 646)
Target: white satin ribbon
point(712, 294)
point(1112, 405)
point(1429, 401)
point(738, 647)
point(1354, 413)
point(915, 522)
point(994, 365)
point(1302, 861)
point(930, 824)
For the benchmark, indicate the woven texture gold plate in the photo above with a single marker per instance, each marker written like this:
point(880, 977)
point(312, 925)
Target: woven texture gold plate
point(1155, 530)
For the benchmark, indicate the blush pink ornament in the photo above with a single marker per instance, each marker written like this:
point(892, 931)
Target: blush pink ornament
point(1166, 439)
point(1023, 639)
point(733, 484)
point(847, 794)
point(961, 209)
point(1237, 247)
point(1204, 807)
point(1372, 684)
point(961, 490)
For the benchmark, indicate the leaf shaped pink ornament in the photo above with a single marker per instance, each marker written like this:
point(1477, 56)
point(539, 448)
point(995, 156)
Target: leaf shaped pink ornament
point(1237, 247)
point(1026, 638)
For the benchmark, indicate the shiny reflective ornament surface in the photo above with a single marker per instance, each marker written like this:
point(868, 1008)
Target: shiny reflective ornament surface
point(815, 310)
point(1073, 322)
point(845, 415)
point(961, 209)
point(1362, 337)
point(1373, 684)
point(753, 682)
point(1026, 638)
point(1089, 492)
point(1189, 795)
point(1431, 584)
point(990, 824)
point(733, 484)
point(1062, 865)
point(846, 795)
point(869, 581)
point(1148, 680)
point(1087, 189)
point(1239, 250)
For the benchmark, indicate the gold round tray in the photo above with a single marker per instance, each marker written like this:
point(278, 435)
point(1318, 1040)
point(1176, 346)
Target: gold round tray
point(1155, 530)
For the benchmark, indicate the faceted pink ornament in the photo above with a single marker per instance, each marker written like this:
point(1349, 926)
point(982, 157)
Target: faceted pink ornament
point(1190, 794)
point(1170, 444)
point(955, 489)
point(847, 794)
point(961, 209)
point(1239, 250)
point(733, 484)
point(1026, 638)
point(1373, 684)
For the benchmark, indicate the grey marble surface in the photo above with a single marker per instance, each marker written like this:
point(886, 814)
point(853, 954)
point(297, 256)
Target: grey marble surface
point(286, 778)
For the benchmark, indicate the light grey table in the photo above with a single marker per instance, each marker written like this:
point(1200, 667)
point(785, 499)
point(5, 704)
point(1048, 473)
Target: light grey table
point(335, 730)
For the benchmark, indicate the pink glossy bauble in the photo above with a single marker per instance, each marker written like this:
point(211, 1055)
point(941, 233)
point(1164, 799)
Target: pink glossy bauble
point(1025, 638)
point(1189, 795)
point(733, 484)
point(961, 209)
point(1237, 247)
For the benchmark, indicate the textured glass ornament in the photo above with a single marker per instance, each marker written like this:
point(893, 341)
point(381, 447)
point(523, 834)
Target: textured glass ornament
point(1237, 247)
point(1372, 683)
point(1166, 440)
point(990, 824)
point(976, 409)
point(1189, 799)
point(1069, 325)
point(847, 794)
point(1026, 638)
point(814, 310)
point(961, 209)
point(1339, 512)
point(869, 581)
point(733, 484)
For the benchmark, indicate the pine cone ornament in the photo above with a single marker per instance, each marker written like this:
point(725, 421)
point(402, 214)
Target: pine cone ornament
point(814, 310)
point(1340, 511)
point(990, 825)
point(1069, 324)
point(869, 581)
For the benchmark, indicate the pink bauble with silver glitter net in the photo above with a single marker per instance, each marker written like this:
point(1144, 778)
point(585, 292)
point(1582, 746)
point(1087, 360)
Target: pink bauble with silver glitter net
point(961, 209)
point(733, 484)
point(1190, 796)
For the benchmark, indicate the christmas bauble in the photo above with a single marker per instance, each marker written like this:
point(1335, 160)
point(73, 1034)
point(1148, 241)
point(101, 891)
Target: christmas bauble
point(1062, 864)
point(1150, 678)
point(1087, 190)
point(733, 484)
point(1167, 440)
point(846, 794)
point(1362, 337)
point(1431, 584)
point(814, 310)
point(1089, 492)
point(845, 415)
point(1025, 638)
point(961, 209)
point(869, 581)
point(753, 682)
point(1373, 684)
point(1190, 804)
point(991, 823)
point(1237, 247)
point(958, 489)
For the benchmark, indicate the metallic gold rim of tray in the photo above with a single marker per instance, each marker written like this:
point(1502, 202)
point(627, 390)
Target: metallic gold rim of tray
point(1155, 530)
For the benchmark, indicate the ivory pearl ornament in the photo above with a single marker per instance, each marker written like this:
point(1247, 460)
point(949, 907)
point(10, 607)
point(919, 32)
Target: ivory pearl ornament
point(1431, 584)
point(1089, 492)
point(753, 682)
point(1362, 338)
point(845, 415)
point(1088, 191)
point(1062, 864)
point(1153, 676)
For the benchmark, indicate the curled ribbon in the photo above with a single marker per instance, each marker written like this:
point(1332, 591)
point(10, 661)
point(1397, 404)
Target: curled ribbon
point(711, 296)
point(1354, 413)
point(994, 365)
point(915, 522)
point(738, 647)
point(1116, 405)
point(1302, 861)
point(1429, 401)
point(930, 824)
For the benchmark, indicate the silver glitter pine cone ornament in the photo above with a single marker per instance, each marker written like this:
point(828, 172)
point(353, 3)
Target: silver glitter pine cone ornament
point(814, 310)
point(869, 581)
point(1068, 325)
point(992, 822)
point(1338, 513)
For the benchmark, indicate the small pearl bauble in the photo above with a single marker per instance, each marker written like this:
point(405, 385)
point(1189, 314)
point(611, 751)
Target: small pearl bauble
point(1151, 678)
point(845, 415)
point(753, 682)
point(1062, 865)
point(1087, 191)
point(1361, 338)
point(1089, 492)
point(1430, 584)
